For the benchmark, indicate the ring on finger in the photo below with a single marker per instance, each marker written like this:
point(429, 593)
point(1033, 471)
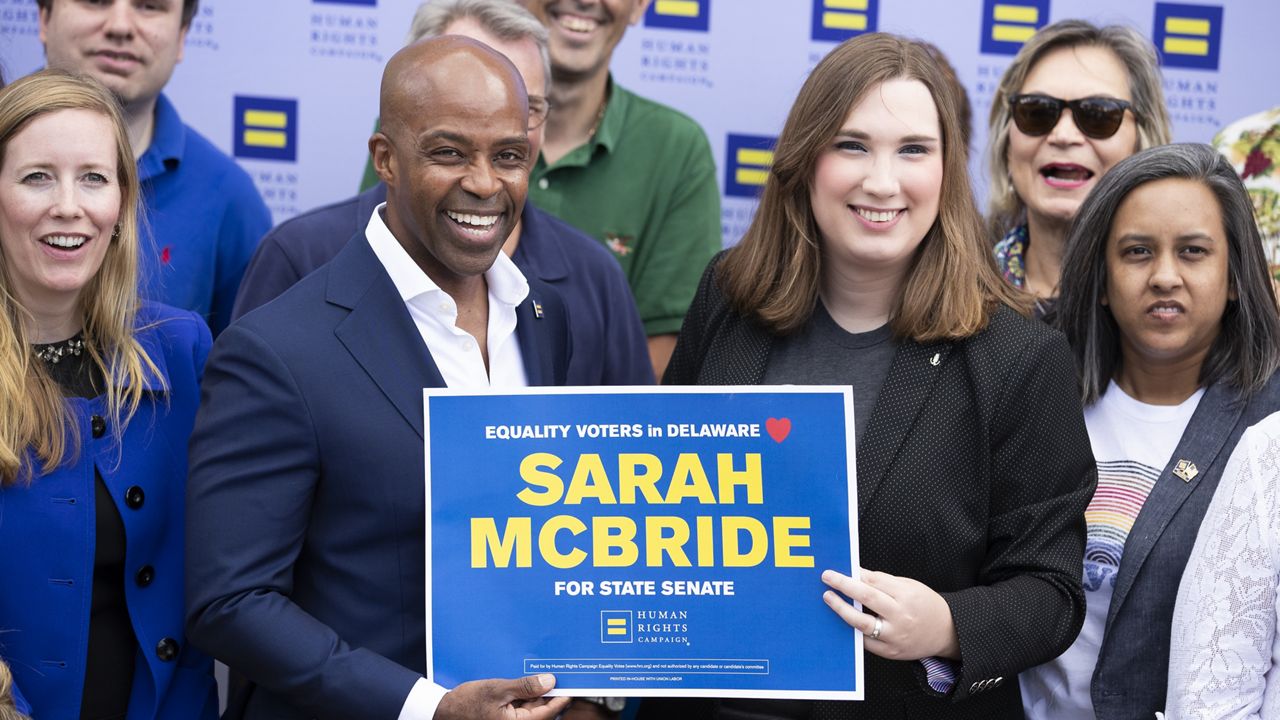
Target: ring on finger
point(875, 632)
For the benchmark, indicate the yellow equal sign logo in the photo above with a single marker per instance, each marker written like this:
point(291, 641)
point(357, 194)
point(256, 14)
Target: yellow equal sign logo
point(845, 14)
point(753, 166)
point(615, 626)
point(1014, 23)
point(266, 128)
point(1187, 36)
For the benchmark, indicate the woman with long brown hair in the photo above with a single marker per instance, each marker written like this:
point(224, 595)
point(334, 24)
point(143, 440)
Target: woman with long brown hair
point(866, 266)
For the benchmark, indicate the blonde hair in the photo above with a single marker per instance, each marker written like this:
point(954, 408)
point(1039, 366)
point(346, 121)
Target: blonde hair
point(773, 274)
point(8, 710)
point(1135, 52)
point(35, 423)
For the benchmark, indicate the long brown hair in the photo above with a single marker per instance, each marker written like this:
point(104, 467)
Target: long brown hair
point(34, 417)
point(773, 275)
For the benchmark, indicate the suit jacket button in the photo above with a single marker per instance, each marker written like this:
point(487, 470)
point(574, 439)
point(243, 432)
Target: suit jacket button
point(98, 426)
point(134, 497)
point(167, 649)
point(145, 576)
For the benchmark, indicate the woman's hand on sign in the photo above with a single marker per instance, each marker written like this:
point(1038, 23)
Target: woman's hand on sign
point(915, 622)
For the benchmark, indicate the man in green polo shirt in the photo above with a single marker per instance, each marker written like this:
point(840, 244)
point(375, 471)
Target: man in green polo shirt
point(636, 175)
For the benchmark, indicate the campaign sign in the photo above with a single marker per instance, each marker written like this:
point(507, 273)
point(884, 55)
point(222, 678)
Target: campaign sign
point(642, 541)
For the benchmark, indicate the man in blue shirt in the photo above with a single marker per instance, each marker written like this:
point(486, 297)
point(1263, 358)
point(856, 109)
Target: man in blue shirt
point(609, 345)
point(202, 214)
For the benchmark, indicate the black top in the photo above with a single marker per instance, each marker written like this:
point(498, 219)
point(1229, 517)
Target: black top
point(823, 353)
point(108, 677)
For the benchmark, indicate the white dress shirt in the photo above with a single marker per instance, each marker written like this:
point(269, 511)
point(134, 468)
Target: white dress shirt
point(455, 353)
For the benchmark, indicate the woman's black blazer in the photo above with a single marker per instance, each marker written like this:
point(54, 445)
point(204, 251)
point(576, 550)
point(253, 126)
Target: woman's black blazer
point(974, 471)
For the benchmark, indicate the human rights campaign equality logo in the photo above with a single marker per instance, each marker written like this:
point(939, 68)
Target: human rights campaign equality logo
point(839, 20)
point(679, 15)
point(1188, 36)
point(1007, 24)
point(746, 164)
point(266, 128)
point(616, 626)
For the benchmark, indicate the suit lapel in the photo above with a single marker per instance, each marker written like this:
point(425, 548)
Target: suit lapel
point(379, 333)
point(537, 359)
point(910, 382)
point(1201, 443)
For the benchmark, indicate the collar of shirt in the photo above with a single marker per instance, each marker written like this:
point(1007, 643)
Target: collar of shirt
point(168, 139)
point(435, 314)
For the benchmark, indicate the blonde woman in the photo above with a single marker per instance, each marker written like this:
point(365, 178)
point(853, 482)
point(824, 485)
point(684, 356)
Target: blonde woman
point(98, 393)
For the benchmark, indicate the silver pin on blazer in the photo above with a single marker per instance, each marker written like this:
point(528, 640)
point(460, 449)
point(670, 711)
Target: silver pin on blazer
point(936, 359)
point(1186, 470)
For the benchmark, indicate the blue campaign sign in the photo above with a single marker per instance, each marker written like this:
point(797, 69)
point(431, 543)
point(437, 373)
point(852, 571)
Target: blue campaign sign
point(642, 541)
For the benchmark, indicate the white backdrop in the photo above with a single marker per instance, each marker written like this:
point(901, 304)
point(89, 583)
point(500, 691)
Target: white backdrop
point(290, 86)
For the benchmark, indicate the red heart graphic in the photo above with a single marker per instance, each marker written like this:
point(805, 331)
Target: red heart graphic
point(778, 428)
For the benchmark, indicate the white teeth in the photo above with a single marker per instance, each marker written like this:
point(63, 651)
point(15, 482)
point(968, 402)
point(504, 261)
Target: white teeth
point(64, 241)
point(578, 24)
point(878, 215)
point(480, 221)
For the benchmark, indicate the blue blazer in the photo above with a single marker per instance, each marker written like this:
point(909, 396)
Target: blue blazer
point(1131, 677)
point(47, 529)
point(305, 534)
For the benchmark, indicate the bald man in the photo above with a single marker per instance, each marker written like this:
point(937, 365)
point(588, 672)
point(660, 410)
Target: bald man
point(305, 533)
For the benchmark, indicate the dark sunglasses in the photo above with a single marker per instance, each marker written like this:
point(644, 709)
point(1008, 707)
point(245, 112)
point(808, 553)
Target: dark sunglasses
point(1097, 117)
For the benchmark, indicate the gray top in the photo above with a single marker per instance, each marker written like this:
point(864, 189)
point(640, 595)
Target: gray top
point(823, 353)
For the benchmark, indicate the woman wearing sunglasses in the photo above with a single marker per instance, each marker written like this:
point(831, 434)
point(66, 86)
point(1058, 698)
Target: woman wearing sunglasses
point(1076, 100)
point(1170, 312)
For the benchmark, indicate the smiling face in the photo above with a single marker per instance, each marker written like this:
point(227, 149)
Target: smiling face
point(1053, 173)
point(131, 47)
point(876, 188)
point(59, 202)
point(1167, 273)
point(454, 153)
point(583, 33)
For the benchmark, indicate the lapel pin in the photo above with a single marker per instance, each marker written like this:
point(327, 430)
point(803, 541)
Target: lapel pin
point(537, 309)
point(1186, 470)
point(936, 359)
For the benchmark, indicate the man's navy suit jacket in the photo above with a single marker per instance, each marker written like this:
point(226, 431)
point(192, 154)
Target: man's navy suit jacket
point(305, 547)
point(608, 338)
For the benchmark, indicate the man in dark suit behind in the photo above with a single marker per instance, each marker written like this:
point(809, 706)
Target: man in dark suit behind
point(305, 545)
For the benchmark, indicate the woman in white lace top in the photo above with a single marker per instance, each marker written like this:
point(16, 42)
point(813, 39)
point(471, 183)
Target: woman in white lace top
point(1225, 647)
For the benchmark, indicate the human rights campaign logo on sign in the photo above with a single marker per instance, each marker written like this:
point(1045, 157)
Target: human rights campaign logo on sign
point(746, 166)
point(615, 626)
point(839, 20)
point(1188, 36)
point(1007, 24)
point(266, 128)
point(679, 15)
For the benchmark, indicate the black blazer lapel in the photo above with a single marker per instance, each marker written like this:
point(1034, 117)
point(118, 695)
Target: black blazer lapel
point(1202, 442)
point(379, 333)
point(910, 382)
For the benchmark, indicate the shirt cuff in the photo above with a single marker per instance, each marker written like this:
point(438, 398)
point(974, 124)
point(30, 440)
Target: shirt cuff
point(939, 673)
point(422, 701)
